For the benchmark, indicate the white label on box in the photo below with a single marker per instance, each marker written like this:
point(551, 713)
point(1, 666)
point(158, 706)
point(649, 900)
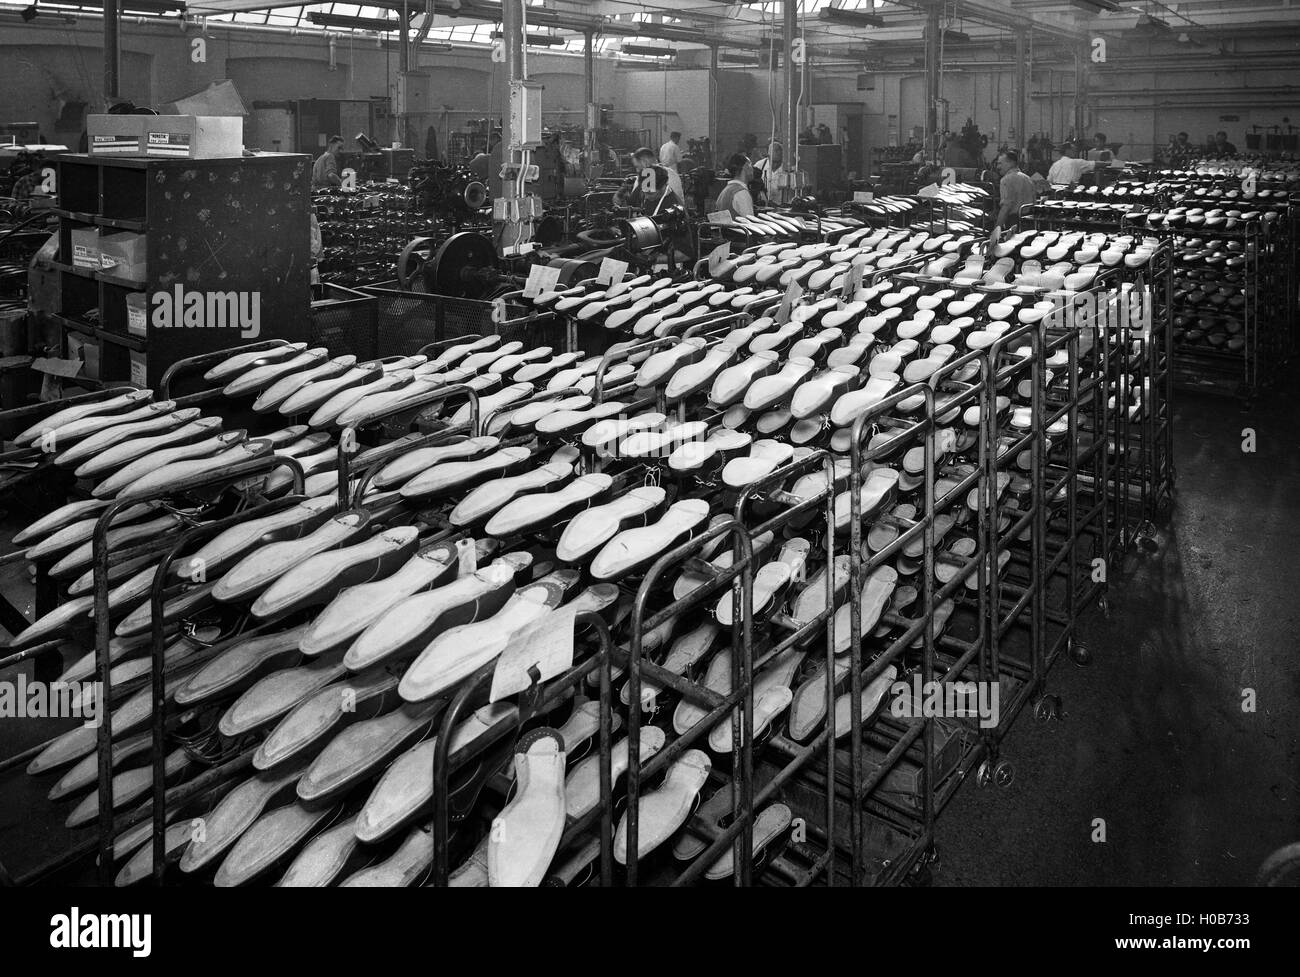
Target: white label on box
point(722, 217)
point(167, 144)
point(863, 196)
point(102, 144)
point(541, 278)
point(139, 372)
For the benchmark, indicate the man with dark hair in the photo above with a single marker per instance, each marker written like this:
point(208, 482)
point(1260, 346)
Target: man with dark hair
point(1016, 189)
point(1099, 152)
point(325, 171)
point(735, 196)
point(653, 188)
point(1221, 145)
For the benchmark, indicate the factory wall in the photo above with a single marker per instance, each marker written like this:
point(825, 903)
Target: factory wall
point(47, 64)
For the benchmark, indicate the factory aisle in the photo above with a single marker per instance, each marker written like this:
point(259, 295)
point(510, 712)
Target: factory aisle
point(1192, 789)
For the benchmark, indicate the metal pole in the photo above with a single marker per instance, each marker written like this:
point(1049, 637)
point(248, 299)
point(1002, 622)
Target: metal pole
point(791, 12)
point(112, 50)
point(589, 74)
point(932, 93)
point(713, 102)
point(1022, 89)
point(1081, 56)
point(404, 68)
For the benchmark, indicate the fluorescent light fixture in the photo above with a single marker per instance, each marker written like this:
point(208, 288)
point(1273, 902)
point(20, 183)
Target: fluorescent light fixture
point(648, 51)
point(137, 6)
point(857, 18)
point(545, 40)
point(1146, 22)
point(1098, 6)
point(731, 57)
point(355, 23)
point(955, 37)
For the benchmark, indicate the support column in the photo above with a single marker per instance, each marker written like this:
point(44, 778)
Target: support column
point(933, 31)
point(515, 230)
point(112, 51)
point(1081, 57)
point(713, 104)
point(791, 15)
point(592, 112)
point(403, 68)
point(512, 35)
point(1022, 90)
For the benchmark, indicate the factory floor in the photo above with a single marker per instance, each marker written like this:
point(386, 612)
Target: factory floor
point(1189, 787)
point(1154, 746)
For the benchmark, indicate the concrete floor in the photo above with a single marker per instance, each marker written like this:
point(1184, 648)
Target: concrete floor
point(1154, 741)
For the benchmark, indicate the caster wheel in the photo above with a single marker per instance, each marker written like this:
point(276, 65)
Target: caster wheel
point(1047, 708)
point(1080, 654)
point(1004, 773)
point(922, 876)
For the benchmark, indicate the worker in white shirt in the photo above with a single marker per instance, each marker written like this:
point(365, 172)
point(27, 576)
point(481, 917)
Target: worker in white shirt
point(1066, 167)
point(670, 153)
point(766, 167)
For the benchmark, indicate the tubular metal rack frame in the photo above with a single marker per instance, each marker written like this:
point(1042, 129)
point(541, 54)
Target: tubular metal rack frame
point(1091, 508)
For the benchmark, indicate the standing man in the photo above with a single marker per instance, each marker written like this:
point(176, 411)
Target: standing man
point(768, 165)
point(1066, 169)
point(325, 171)
point(670, 153)
point(1221, 145)
point(1016, 189)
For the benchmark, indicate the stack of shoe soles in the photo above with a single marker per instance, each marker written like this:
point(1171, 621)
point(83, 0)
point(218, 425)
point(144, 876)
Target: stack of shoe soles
point(332, 638)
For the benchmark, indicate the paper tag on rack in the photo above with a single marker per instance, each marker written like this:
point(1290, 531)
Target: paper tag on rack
point(863, 196)
point(611, 272)
point(792, 295)
point(852, 282)
point(718, 255)
point(721, 217)
point(466, 557)
point(547, 645)
point(498, 311)
point(541, 278)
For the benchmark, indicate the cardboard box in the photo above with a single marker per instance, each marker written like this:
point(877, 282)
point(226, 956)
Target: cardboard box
point(193, 136)
point(85, 248)
point(139, 369)
point(87, 350)
point(137, 314)
point(123, 255)
point(115, 135)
